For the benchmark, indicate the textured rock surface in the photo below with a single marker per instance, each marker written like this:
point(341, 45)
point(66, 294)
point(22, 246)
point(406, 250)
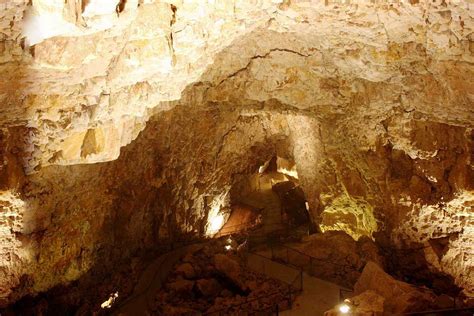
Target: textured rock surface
point(223, 284)
point(372, 101)
point(336, 256)
point(399, 297)
point(365, 304)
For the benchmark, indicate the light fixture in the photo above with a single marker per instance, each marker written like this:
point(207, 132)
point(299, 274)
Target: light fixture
point(108, 303)
point(216, 217)
point(344, 308)
point(228, 247)
point(216, 223)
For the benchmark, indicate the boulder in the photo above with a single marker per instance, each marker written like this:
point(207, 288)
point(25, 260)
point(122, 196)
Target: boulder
point(400, 297)
point(338, 257)
point(230, 269)
point(367, 303)
point(226, 293)
point(181, 286)
point(187, 270)
point(208, 287)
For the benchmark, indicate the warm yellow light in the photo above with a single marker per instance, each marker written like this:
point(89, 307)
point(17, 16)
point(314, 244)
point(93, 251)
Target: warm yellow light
point(228, 247)
point(108, 303)
point(216, 223)
point(344, 308)
point(216, 217)
point(292, 173)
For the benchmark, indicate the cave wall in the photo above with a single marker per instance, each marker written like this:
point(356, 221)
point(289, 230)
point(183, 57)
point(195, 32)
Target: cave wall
point(117, 129)
point(93, 216)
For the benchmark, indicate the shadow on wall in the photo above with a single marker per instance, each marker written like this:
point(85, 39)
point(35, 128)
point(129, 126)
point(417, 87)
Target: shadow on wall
point(410, 265)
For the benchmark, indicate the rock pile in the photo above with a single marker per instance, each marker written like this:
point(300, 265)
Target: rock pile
point(337, 256)
point(378, 293)
point(212, 280)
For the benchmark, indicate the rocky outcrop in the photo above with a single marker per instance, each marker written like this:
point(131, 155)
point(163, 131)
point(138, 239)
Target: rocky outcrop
point(399, 297)
point(222, 283)
point(336, 257)
point(368, 303)
point(231, 270)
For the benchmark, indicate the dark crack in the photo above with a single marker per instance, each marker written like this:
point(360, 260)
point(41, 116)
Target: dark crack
point(260, 57)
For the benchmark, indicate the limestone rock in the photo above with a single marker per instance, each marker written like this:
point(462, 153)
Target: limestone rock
point(187, 270)
point(230, 269)
point(181, 286)
point(120, 127)
point(399, 296)
point(208, 287)
point(338, 257)
point(368, 303)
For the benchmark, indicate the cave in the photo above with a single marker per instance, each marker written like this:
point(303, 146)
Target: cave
point(185, 157)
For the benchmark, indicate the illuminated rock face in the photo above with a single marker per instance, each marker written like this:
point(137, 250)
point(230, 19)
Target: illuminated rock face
point(373, 102)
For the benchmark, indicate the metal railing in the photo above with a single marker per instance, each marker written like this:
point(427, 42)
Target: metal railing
point(184, 241)
point(270, 304)
point(257, 305)
point(468, 311)
point(308, 263)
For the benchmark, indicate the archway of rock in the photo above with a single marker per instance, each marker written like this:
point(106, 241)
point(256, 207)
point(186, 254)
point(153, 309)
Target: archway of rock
point(268, 200)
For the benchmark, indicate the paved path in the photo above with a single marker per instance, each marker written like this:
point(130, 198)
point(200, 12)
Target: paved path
point(317, 297)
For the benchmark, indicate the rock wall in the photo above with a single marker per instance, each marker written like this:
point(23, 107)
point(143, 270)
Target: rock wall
point(120, 126)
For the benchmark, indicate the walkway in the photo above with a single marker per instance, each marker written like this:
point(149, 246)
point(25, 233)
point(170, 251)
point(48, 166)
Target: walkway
point(317, 297)
point(264, 198)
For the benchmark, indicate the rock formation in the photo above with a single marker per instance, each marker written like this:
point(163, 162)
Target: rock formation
point(124, 126)
point(220, 282)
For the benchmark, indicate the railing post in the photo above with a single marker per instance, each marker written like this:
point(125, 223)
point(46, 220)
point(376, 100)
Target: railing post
point(290, 303)
point(301, 278)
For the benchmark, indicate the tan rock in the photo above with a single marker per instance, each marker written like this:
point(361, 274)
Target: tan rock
point(181, 286)
point(399, 296)
point(126, 125)
point(368, 303)
point(230, 269)
point(187, 270)
point(208, 287)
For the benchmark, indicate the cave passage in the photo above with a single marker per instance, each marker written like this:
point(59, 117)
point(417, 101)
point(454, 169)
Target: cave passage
point(270, 199)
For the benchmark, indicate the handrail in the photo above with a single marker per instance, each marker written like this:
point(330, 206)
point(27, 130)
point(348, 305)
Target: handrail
point(297, 277)
point(291, 290)
point(446, 310)
point(225, 309)
point(171, 246)
point(275, 307)
point(306, 255)
point(226, 230)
